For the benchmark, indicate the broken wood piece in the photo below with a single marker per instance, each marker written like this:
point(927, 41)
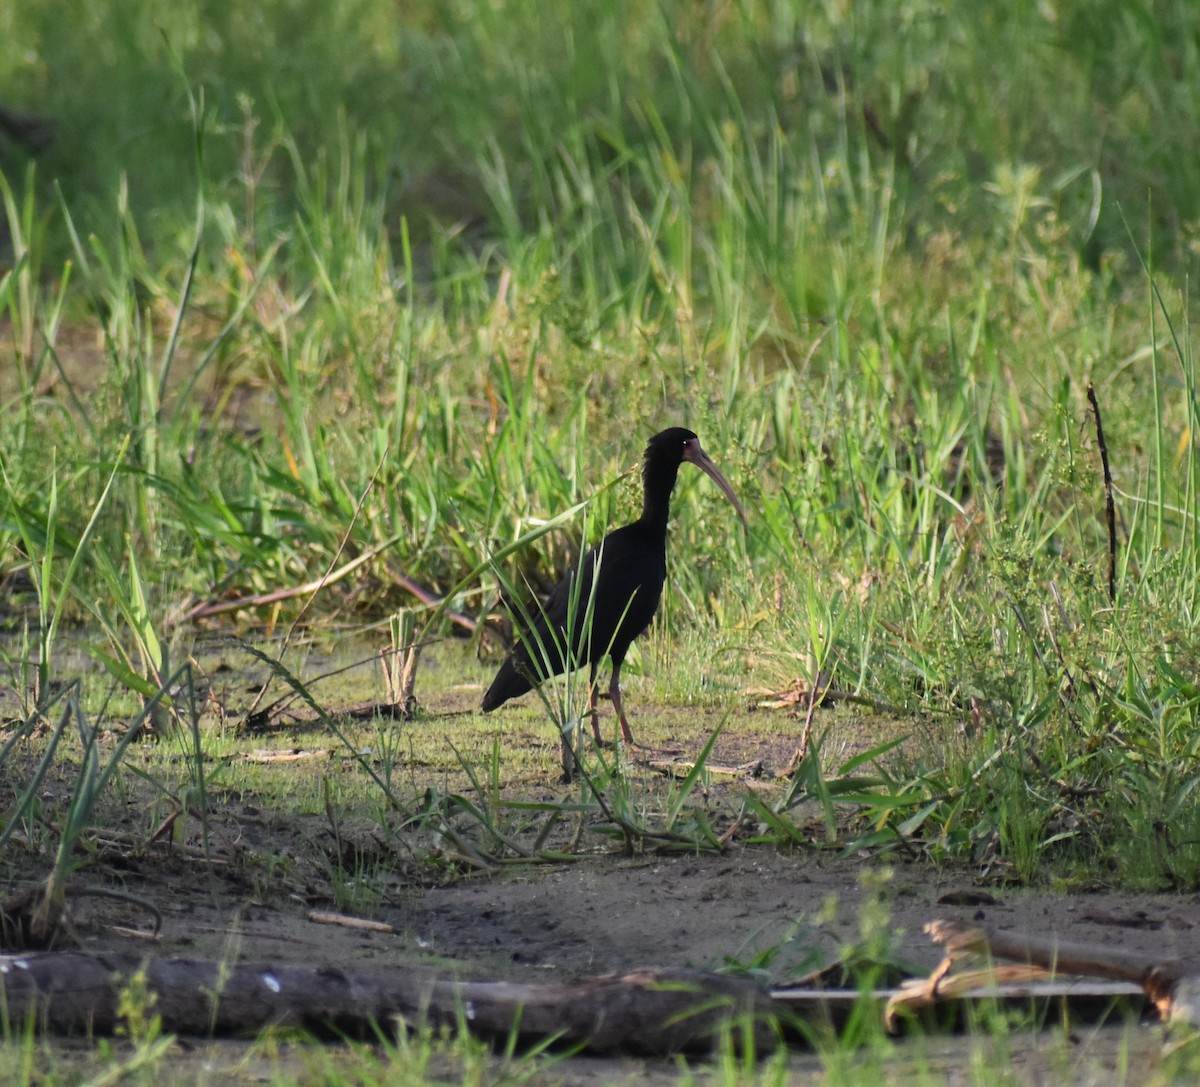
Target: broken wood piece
point(399, 663)
point(1082, 999)
point(797, 693)
point(1085, 999)
point(293, 755)
point(683, 767)
point(942, 986)
point(135, 933)
point(1163, 982)
point(324, 917)
point(647, 1011)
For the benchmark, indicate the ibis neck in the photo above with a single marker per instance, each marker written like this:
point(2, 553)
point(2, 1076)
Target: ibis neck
point(659, 480)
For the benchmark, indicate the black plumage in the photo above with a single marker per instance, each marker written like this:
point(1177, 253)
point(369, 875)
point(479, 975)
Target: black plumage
point(632, 564)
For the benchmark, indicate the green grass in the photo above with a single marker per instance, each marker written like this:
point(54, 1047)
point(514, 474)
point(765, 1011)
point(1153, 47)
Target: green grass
point(296, 359)
point(317, 297)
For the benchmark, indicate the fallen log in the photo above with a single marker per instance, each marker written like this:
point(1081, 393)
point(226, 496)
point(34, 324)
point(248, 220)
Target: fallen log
point(655, 1012)
point(648, 1011)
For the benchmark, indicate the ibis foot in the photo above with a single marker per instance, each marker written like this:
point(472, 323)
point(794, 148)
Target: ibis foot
point(635, 748)
point(643, 750)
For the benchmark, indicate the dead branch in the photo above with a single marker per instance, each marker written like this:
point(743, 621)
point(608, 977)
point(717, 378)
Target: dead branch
point(1162, 981)
point(678, 767)
point(816, 697)
point(324, 917)
point(294, 754)
point(432, 600)
point(257, 600)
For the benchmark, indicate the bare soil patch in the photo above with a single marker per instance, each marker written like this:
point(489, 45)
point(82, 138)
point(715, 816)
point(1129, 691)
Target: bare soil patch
point(248, 896)
point(604, 914)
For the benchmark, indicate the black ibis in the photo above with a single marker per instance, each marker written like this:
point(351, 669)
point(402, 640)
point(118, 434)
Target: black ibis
point(633, 566)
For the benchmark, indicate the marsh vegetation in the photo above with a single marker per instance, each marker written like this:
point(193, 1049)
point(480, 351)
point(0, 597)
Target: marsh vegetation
point(325, 327)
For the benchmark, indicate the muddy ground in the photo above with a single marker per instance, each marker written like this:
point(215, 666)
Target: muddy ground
point(610, 913)
point(607, 914)
point(250, 894)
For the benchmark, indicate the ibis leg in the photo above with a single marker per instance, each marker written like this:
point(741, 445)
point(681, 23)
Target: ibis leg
point(592, 697)
point(614, 692)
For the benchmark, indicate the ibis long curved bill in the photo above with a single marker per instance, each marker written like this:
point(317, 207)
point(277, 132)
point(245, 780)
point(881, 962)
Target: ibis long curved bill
point(694, 454)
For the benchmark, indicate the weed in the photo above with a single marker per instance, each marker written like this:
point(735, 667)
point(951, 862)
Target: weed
point(253, 349)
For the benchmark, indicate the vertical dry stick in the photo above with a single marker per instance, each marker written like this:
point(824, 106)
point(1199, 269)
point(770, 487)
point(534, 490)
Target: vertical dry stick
point(1109, 509)
point(400, 663)
point(814, 697)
